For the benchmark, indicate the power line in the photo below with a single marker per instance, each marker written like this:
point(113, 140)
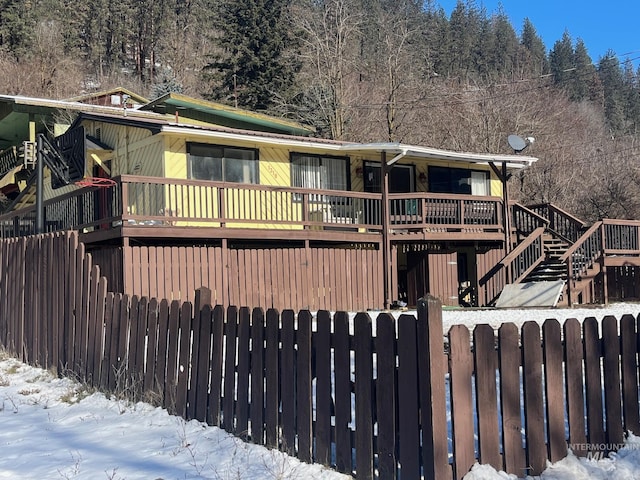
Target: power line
point(417, 103)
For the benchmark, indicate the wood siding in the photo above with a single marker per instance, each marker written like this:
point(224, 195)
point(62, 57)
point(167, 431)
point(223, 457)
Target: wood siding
point(443, 276)
point(313, 278)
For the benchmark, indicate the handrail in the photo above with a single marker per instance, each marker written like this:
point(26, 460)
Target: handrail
point(566, 226)
point(582, 254)
point(521, 260)
point(8, 160)
point(578, 244)
point(525, 219)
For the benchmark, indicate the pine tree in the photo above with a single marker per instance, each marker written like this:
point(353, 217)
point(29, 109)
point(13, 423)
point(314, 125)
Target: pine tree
point(561, 60)
point(435, 39)
point(506, 44)
point(584, 82)
point(17, 25)
point(632, 98)
point(465, 35)
point(535, 59)
point(611, 77)
point(254, 39)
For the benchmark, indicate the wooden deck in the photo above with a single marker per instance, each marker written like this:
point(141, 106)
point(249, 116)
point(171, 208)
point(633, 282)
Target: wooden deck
point(150, 207)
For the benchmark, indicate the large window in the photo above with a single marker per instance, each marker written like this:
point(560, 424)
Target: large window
point(225, 164)
point(458, 180)
point(314, 171)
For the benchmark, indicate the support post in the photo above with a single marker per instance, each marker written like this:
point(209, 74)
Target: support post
point(40, 186)
point(603, 265)
point(507, 216)
point(386, 242)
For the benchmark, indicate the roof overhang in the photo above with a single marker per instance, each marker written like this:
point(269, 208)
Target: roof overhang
point(393, 150)
point(398, 150)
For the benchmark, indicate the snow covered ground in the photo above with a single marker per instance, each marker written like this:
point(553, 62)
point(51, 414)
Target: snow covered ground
point(53, 428)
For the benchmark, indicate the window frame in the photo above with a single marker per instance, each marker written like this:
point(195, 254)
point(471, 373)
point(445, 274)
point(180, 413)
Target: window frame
point(376, 187)
point(347, 168)
point(463, 173)
point(255, 160)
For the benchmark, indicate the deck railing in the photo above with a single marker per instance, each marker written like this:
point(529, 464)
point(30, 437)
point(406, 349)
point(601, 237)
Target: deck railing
point(525, 221)
point(562, 223)
point(438, 212)
point(160, 202)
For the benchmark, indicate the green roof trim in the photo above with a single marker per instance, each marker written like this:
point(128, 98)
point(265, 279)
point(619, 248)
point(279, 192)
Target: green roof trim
point(224, 115)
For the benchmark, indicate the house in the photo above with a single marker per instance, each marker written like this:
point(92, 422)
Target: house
point(178, 192)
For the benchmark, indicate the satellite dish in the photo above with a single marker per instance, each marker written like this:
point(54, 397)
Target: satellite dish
point(517, 143)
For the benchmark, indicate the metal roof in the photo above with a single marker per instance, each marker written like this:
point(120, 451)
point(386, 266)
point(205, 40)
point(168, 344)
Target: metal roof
point(224, 114)
point(163, 125)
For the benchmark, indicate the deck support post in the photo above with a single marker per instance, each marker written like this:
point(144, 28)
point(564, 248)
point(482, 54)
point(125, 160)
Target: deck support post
point(603, 267)
point(504, 176)
point(386, 242)
point(40, 186)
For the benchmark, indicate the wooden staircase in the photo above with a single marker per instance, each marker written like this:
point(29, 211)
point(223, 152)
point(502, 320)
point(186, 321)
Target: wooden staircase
point(551, 245)
point(551, 268)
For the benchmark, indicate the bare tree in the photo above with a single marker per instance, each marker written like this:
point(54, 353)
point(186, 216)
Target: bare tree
point(329, 45)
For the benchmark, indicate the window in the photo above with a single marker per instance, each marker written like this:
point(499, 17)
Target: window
point(458, 180)
point(225, 164)
point(401, 178)
point(314, 171)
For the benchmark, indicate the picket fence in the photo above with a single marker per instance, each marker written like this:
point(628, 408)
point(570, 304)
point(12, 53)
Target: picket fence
point(379, 397)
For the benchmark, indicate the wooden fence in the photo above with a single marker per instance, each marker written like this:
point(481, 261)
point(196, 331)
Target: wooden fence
point(381, 397)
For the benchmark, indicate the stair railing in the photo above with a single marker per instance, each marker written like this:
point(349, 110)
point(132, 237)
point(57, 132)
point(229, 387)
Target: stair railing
point(582, 255)
point(517, 264)
point(524, 220)
point(561, 223)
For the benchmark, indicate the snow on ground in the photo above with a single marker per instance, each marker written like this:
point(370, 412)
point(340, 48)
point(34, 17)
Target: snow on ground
point(52, 428)
point(497, 316)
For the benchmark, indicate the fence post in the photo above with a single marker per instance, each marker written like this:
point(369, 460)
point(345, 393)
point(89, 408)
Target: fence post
point(431, 375)
point(202, 298)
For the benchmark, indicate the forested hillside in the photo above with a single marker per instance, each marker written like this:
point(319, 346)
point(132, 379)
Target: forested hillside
point(362, 70)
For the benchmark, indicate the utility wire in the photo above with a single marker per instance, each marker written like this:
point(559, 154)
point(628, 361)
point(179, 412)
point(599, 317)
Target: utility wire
point(418, 102)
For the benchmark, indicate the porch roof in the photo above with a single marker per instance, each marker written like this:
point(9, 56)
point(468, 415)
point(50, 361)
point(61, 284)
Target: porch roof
point(399, 150)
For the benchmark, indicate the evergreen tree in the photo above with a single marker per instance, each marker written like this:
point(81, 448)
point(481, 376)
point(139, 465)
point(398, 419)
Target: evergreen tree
point(465, 27)
point(535, 59)
point(434, 40)
point(561, 60)
point(166, 82)
point(253, 66)
point(632, 98)
point(17, 24)
point(150, 17)
point(611, 77)
point(584, 82)
point(506, 44)
point(105, 29)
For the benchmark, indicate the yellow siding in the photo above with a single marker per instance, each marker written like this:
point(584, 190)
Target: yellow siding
point(275, 167)
point(175, 157)
point(135, 150)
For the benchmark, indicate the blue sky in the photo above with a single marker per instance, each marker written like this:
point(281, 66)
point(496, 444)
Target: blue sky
point(609, 25)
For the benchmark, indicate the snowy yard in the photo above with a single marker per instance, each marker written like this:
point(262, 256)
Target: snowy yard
point(53, 428)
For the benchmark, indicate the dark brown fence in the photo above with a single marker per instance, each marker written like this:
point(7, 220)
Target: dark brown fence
point(382, 397)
